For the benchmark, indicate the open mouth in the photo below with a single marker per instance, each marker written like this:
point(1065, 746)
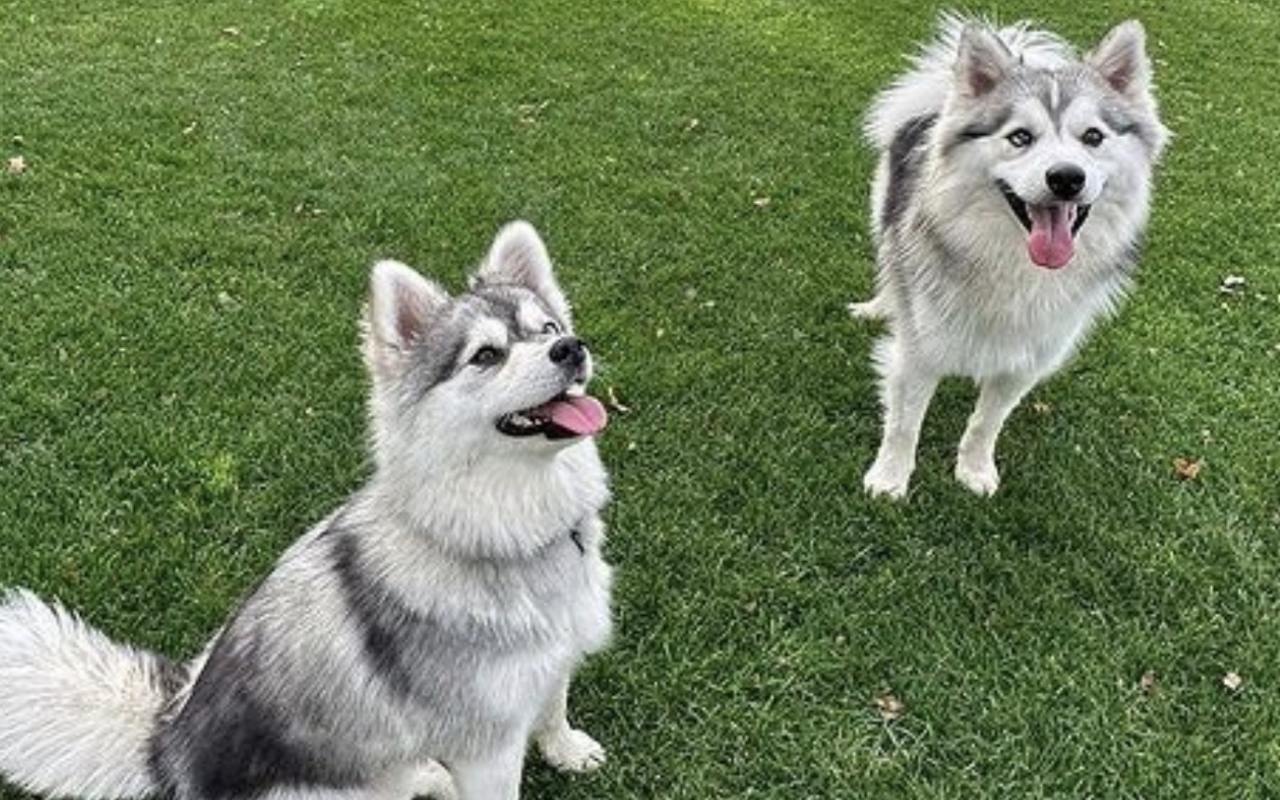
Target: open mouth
point(568, 415)
point(1051, 229)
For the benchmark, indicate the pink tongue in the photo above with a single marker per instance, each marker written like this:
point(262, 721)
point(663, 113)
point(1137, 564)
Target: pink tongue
point(583, 416)
point(1051, 243)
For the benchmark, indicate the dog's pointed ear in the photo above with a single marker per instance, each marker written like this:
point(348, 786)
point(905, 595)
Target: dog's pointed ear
point(1121, 59)
point(983, 61)
point(402, 304)
point(519, 257)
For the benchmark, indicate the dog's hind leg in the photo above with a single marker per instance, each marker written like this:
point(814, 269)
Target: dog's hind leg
point(906, 391)
point(564, 747)
point(976, 458)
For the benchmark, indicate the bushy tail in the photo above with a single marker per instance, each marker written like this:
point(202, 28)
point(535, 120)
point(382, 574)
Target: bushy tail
point(76, 709)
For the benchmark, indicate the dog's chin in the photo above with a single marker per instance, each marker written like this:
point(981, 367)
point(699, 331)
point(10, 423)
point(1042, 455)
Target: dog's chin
point(1051, 228)
point(564, 418)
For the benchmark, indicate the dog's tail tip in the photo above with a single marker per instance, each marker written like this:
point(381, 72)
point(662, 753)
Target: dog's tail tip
point(77, 710)
point(877, 308)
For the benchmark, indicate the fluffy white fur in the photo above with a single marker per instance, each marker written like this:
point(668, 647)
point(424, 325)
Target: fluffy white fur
point(482, 479)
point(76, 709)
point(487, 542)
point(954, 280)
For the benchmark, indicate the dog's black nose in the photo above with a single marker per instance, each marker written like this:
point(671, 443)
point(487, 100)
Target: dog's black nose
point(1065, 180)
point(569, 351)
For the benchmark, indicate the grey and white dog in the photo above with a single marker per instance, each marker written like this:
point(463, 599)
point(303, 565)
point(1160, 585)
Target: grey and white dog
point(1008, 206)
point(414, 641)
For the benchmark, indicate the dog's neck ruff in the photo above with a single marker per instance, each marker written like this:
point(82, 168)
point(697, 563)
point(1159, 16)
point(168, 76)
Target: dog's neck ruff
point(498, 509)
point(573, 536)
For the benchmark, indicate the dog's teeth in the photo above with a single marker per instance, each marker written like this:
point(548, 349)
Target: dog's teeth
point(576, 390)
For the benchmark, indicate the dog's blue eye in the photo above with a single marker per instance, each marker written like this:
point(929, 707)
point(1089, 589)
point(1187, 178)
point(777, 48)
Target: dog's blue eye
point(1020, 138)
point(1092, 137)
point(486, 356)
point(550, 327)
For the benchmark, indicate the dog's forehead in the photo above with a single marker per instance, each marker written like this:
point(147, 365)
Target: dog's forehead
point(1054, 91)
point(1073, 97)
point(515, 307)
point(1086, 108)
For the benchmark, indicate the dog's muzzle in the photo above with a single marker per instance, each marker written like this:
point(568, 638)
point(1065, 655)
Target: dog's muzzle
point(571, 413)
point(1052, 227)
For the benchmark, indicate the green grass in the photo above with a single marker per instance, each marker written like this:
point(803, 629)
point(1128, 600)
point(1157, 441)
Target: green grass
point(180, 394)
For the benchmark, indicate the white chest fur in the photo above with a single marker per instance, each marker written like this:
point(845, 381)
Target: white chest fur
point(999, 314)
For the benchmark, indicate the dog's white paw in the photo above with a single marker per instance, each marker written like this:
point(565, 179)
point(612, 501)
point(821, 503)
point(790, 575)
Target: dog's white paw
point(979, 476)
point(434, 781)
point(887, 478)
point(572, 751)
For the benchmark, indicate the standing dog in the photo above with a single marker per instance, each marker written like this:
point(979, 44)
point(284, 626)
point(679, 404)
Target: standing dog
point(1011, 195)
point(434, 619)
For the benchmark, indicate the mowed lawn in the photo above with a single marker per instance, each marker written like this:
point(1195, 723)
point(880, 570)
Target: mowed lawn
point(184, 257)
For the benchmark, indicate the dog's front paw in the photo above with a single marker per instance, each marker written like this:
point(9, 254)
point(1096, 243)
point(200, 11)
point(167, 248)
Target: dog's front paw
point(572, 751)
point(979, 476)
point(887, 478)
point(433, 781)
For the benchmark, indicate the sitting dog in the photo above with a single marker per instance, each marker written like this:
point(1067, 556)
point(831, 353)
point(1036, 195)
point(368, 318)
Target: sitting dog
point(414, 641)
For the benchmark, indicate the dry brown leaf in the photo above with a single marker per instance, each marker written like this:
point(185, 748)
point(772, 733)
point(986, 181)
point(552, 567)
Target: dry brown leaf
point(303, 209)
point(1187, 469)
point(615, 404)
point(890, 707)
point(761, 202)
point(1232, 681)
point(529, 112)
point(16, 165)
point(231, 30)
point(1148, 682)
point(1040, 407)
